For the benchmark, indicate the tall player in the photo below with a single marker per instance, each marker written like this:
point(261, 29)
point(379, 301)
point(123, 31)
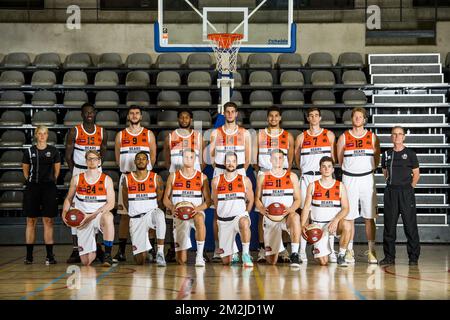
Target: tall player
point(233, 138)
point(310, 146)
point(81, 138)
point(358, 151)
point(271, 138)
point(188, 184)
point(232, 195)
point(93, 193)
point(327, 201)
point(178, 140)
point(282, 186)
point(142, 192)
point(129, 142)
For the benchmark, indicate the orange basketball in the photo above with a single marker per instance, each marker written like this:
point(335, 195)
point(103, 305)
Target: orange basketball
point(184, 210)
point(313, 233)
point(74, 217)
point(276, 211)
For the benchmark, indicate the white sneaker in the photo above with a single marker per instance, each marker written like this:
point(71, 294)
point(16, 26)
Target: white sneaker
point(332, 257)
point(350, 257)
point(303, 257)
point(371, 257)
point(261, 255)
point(199, 262)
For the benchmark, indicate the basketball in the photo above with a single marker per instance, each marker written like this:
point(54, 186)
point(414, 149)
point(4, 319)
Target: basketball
point(276, 211)
point(313, 233)
point(184, 210)
point(74, 217)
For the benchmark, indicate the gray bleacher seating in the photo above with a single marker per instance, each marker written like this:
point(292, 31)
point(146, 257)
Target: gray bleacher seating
point(115, 177)
point(350, 59)
point(52, 138)
point(17, 60)
point(320, 59)
point(43, 78)
point(347, 117)
point(106, 78)
point(260, 79)
point(12, 138)
point(110, 136)
point(408, 119)
point(261, 98)
point(75, 78)
point(323, 97)
point(107, 118)
point(168, 99)
point(199, 61)
point(138, 98)
point(167, 118)
point(354, 97)
point(239, 61)
point(160, 138)
point(12, 179)
point(169, 61)
point(12, 98)
point(168, 79)
point(137, 79)
point(11, 159)
point(106, 99)
point(138, 61)
point(415, 139)
point(328, 117)
point(236, 97)
point(258, 118)
point(110, 60)
point(43, 98)
point(47, 60)
point(109, 160)
point(292, 118)
point(354, 77)
point(161, 160)
point(12, 118)
point(12, 78)
point(294, 132)
point(238, 81)
point(203, 116)
point(292, 98)
point(199, 99)
point(72, 118)
point(11, 199)
point(44, 118)
point(289, 60)
point(292, 78)
point(259, 61)
point(75, 98)
point(199, 79)
point(67, 178)
point(78, 60)
point(323, 78)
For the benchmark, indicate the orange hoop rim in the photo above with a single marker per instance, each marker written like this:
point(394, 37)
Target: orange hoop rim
point(225, 40)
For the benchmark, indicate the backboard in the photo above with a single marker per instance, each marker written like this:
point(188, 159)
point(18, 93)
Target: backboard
point(183, 25)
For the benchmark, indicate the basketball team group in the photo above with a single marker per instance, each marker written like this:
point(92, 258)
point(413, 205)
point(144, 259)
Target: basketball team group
point(315, 209)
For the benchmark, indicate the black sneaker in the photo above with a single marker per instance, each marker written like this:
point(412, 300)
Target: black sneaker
point(295, 259)
point(170, 255)
point(50, 260)
point(386, 262)
point(341, 260)
point(108, 260)
point(119, 257)
point(100, 255)
point(413, 262)
point(152, 253)
point(205, 256)
point(74, 257)
point(28, 261)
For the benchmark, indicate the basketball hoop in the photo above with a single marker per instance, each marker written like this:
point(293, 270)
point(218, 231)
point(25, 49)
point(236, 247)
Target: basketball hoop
point(226, 47)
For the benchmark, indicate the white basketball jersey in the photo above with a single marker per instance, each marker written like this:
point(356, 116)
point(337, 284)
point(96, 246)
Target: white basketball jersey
point(313, 148)
point(89, 197)
point(359, 153)
point(188, 188)
point(142, 196)
point(326, 202)
point(267, 143)
point(277, 189)
point(231, 196)
point(177, 143)
point(234, 142)
point(130, 144)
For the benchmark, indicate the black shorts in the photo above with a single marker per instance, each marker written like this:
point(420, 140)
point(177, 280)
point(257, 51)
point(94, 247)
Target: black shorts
point(40, 200)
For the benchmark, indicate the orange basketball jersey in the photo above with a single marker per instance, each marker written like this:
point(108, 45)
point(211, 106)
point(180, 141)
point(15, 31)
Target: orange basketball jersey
point(85, 141)
point(278, 189)
point(142, 195)
point(359, 153)
point(313, 148)
point(231, 196)
point(234, 142)
point(90, 197)
point(178, 143)
point(187, 188)
point(326, 202)
point(267, 143)
point(130, 144)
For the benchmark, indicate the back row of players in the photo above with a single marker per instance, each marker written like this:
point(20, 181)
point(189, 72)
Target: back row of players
point(324, 200)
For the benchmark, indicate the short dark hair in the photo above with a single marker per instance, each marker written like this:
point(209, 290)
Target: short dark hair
point(231, 153)
point(276, 151)
point(230, 104)
point(273, 108)
point(185, 111)
point(326, 159)
point(87, 104)
point(398, 127)
point(312, 110)
point(141, 152)
point(187, 150)
point(134, 107)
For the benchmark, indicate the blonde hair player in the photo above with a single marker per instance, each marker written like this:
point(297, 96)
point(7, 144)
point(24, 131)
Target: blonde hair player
point(326, 200)
point(229, 138)
point(92, 192)
point(232, 195)
point(142, 192)
point(358, 151)
point(188, 184)
point(282, 186)
point(129, 142)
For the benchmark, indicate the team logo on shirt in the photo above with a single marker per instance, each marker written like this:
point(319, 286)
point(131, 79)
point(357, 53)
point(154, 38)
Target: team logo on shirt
point(48, 154)
point(404, 156)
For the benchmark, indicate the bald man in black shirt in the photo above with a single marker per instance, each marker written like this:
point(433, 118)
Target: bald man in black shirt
point(401, 170)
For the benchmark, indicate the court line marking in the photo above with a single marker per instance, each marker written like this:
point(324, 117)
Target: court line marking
point(40, 289)
point(259, 282)
point(385, 269)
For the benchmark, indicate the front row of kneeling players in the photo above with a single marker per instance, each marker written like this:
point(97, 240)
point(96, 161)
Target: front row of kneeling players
point(326, 205)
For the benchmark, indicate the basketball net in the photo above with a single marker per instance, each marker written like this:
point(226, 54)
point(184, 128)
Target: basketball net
point(226, 47)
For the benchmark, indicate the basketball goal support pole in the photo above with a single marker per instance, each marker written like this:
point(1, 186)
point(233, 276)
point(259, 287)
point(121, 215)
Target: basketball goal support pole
point(226, 83)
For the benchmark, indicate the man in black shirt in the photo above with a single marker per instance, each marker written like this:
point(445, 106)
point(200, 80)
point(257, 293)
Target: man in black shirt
point(401, 170)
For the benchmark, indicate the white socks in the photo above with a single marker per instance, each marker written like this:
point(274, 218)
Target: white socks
point(294, 247)
point(350, 245)
point(342, 251)
point(371, 245)
point(331, 242)
point(245, 248)
point(200, 246)
point(161, 248)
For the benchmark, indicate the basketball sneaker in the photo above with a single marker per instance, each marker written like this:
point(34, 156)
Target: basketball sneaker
point(199, 262)
point(28, 261)
point(341, 260)
point(261, 255)
point(371, 257)
point(295, 259)
point(50, 260)
point(284, 257)
point(74, 257)
point(107, 260)
point(160, 261)
point(119, 257)
point(170, 255)
point(234, 259)
point(247, 260)
point(387, 262)
point(350, 257)
point(303, 257)
point(216, 257)
point(332, 257)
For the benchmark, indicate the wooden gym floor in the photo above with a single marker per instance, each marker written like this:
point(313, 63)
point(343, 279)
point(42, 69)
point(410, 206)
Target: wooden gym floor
point(430, 280)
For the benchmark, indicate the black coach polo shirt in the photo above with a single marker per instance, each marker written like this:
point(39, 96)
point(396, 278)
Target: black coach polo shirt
point(399, 165)
point(41, 163)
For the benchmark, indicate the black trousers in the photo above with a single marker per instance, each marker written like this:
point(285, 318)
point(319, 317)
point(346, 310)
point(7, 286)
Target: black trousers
point(400, 200)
